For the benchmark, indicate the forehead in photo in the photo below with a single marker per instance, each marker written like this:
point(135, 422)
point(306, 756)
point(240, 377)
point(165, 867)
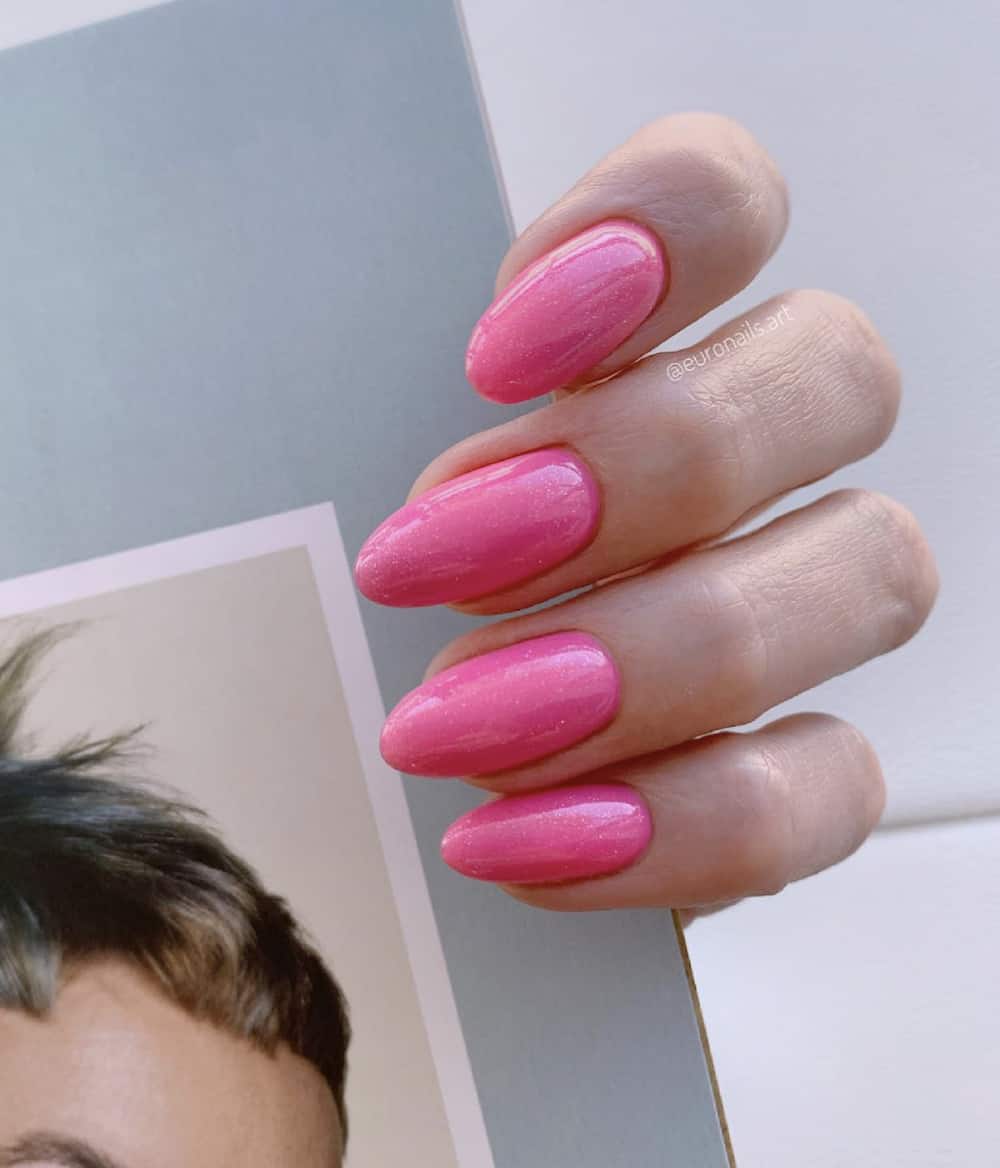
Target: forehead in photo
point(158, 1006)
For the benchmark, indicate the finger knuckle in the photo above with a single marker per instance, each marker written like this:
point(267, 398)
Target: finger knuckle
point(718, 137)
point(706, 429)
point(842, 751)
point(857, 358)
point(904, 580)
point(737, 648)
point(867, 787)
point(762, 800)
point(719, 178)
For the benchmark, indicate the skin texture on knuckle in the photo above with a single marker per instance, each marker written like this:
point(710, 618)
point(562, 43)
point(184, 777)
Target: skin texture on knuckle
point(704, 433)
point(760, 808)
point(735, 648)
point(699, 180)
point(859, 357)
point(905, 579)
point(717, 158)
point(716, 204)
point(864, 789)
point(837, 792)
point(803, 396)
point(809, 791)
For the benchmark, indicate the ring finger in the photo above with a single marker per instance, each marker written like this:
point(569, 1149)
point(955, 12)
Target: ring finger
point(712, 640)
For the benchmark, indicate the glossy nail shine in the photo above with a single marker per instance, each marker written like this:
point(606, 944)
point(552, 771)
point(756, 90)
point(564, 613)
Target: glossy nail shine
point(566, 312)
point(482, 531)
point(504, 708)
point(568, 833)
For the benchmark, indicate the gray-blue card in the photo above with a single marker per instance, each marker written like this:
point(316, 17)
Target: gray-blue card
point(243, 243)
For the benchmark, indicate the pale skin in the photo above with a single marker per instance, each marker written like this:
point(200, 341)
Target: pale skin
point(117, 1076)
point(712, 629)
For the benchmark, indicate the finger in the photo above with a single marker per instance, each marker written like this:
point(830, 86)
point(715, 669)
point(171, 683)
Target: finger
point(710, 641)
point(656, 461)
point(665, 228)
point(728, 816)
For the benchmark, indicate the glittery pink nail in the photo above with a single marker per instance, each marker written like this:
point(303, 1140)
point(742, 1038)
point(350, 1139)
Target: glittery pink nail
point(482, 531)
point(504, 708)
point(566, 312)
point(568, 833)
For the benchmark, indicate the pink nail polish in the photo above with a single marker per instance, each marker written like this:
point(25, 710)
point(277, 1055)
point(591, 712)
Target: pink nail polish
point(566, 311)
point(482, 531)
point(504, 708)
point(569, 833)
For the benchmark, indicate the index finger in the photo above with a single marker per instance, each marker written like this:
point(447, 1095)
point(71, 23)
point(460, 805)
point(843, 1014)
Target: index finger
point(667, 227)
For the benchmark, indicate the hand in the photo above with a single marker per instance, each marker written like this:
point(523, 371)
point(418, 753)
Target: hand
point(601, 720)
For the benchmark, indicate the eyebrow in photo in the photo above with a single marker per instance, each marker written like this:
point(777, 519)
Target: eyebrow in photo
point(50, 1148)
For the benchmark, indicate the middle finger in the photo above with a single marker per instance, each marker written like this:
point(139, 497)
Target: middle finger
point(670, 453)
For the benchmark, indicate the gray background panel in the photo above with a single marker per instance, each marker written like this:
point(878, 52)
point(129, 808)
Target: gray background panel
point(243, 243)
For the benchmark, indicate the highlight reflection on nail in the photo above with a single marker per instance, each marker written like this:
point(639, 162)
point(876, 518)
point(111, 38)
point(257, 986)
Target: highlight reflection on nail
point(568, 833)
point(482, 531)
point(566, 312)
point(504, 708)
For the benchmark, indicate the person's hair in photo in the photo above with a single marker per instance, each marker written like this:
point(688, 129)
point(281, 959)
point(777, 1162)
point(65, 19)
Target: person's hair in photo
point(96, 865)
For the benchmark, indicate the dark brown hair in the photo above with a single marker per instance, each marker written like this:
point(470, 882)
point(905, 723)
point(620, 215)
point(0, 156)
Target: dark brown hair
point(92, 864)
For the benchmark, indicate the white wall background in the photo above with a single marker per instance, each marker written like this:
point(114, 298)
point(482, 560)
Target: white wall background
point(30, 20)
point(855, 1019)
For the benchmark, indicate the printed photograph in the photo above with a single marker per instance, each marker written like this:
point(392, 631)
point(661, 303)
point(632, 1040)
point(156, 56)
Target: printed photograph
point(213, 913)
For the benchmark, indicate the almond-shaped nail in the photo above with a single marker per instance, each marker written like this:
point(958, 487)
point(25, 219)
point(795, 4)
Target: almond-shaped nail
point(569, 833)
point(482, 531)
point(566, 312)
point(504, 708)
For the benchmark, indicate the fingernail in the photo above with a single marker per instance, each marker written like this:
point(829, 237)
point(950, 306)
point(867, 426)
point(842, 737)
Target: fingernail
point(569, 833)
point(504, 708)
point(482, 531)
point(566, 311)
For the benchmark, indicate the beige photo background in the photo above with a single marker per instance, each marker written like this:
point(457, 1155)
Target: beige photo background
point(232, 671)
